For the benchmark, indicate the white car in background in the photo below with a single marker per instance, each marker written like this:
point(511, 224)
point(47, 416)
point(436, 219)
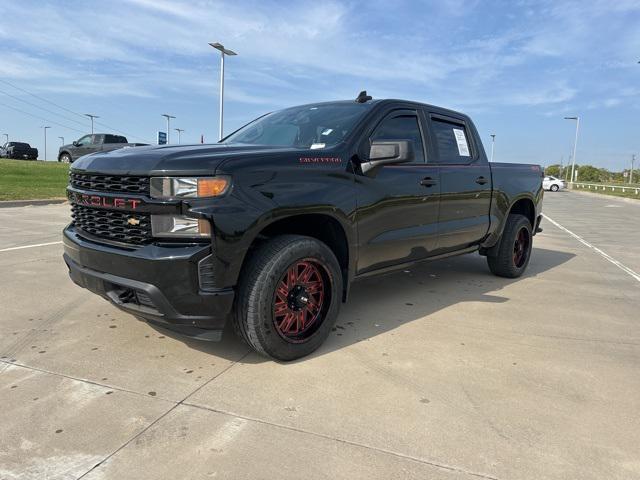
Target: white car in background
point(552, 183)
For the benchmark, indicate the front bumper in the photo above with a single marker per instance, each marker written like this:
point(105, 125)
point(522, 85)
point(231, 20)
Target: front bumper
point(158, 283)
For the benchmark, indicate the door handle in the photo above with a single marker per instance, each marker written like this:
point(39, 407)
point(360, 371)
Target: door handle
point(481, 180)
point(428, 182)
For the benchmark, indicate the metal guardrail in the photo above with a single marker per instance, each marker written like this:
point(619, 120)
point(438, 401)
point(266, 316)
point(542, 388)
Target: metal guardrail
point(598, 186)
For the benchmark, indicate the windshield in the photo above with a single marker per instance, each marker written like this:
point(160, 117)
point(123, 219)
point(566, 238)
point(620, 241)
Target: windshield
point(310, 126)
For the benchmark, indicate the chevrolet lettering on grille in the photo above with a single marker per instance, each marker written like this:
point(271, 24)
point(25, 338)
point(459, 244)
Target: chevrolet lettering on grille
point(105, 202)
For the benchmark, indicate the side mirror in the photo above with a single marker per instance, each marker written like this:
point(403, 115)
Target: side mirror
point(388, 152)
point(75, 143)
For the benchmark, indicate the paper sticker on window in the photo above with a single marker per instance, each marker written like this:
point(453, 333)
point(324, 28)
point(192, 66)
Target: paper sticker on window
point(461, 140)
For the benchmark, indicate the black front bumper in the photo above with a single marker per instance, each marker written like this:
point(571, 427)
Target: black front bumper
point(155, 282)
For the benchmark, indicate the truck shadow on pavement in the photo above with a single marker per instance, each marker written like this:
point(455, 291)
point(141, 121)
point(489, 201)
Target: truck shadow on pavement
point(378, 305)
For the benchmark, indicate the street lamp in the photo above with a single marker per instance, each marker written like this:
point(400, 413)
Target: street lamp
point(62, 139)
point(633, 160)
point(575, 147)
point(45, 142)
point(179, 130)
point(168, 117)
point(223, 52)
point(91, 116)
point(6, 137)
point(493, 144)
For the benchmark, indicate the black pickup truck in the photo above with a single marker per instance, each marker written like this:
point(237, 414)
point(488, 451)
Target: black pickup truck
point(98, 142)
point(270, 227)
point(18, 151)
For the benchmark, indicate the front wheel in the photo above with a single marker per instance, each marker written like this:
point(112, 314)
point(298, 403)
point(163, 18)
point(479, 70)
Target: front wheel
point(514, 251)
point(554, 188)
point(65, 158)
point(289, 297)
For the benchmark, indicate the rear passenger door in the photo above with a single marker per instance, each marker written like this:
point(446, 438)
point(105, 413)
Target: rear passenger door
point(465, 183)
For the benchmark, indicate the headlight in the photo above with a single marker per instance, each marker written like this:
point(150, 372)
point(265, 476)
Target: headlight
point(188, 187)
point(179, 226)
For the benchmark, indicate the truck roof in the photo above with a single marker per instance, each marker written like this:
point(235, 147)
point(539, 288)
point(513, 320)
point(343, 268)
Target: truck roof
point(386, 101)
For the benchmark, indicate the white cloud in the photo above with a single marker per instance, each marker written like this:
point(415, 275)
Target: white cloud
point(143, 47)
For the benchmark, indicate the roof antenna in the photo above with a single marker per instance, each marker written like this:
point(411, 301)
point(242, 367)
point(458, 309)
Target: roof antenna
point(363, 97)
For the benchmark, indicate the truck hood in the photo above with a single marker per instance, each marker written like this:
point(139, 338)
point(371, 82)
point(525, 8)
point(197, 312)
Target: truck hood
point(169, 159)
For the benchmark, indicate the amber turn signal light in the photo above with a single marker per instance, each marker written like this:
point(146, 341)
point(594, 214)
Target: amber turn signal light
point(212, 187)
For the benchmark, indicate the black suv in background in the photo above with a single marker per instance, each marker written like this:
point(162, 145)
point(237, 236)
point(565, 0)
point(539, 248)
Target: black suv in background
point(19, 151)
point(98, 142)
point(269, 228)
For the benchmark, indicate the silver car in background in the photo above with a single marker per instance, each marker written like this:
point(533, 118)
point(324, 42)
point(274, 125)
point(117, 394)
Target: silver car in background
point(552, 183)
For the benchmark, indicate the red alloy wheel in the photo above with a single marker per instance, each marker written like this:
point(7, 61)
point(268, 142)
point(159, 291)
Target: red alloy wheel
point(299, 300)
point(521, 247)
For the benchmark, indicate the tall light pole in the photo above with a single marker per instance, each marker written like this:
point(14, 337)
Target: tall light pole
point(45, 142)
point(223, 52)
point(179, 130)
point(575, 147)
point(91, 116)
point(168, 117)
point(6, 137)
point(633, 160)
point(493, 144)
point(62, 139)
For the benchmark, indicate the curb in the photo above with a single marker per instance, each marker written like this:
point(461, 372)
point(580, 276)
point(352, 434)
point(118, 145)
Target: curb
point(635, 201)
point(28, 203)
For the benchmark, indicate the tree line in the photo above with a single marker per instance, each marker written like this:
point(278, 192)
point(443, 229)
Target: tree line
point(589, 173)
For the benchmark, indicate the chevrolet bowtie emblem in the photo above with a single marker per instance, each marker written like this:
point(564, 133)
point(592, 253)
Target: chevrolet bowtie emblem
point(133, 221)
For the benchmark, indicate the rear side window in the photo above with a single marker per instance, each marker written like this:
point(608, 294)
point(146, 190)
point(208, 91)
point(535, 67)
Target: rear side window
point(404, 127)
point(114, 139)
point(452, 141)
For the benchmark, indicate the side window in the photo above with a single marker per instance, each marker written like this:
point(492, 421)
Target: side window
point(84, 141)
point(97, 139)
point(404, 127)
point(114, 139)
point(452, 141)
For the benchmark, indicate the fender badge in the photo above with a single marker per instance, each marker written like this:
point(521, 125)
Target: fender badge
point(133, 221)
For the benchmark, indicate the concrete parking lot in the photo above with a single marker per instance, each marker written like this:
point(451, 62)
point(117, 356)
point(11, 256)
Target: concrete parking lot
point(441, 372)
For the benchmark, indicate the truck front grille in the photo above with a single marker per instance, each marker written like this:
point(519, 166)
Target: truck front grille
point(134, 228)
point(110, 183)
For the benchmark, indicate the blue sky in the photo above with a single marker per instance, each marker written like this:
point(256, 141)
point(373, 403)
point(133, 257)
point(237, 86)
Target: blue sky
point(517, 67)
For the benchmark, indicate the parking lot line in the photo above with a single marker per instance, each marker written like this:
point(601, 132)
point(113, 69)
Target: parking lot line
point(622, 267)
point(29, 246)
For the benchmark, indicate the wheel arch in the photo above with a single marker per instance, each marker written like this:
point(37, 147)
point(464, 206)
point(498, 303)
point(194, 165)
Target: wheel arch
point(523, 205)
point(321, 226)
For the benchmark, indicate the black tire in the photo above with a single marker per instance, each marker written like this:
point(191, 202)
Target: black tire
point(258, 303)
point(554, 188)
point(513, 255)
point(65, 158)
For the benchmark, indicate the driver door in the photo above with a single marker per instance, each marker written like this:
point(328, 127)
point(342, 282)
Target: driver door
point(82, 146)
point(397, 214)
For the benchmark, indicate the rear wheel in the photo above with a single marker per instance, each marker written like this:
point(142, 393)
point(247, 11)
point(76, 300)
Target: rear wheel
point(289, 297)
point(514, 250)
point(65, 158)
point(554, 188)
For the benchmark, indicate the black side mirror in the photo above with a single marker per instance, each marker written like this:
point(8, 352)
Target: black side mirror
point(75, 143)
point(388, 152)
